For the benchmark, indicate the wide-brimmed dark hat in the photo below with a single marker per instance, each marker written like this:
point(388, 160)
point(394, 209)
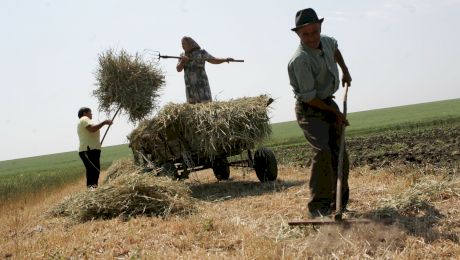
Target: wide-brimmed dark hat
point(305, 17)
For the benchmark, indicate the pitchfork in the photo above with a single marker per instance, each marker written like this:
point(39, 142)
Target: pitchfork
point(158, 56)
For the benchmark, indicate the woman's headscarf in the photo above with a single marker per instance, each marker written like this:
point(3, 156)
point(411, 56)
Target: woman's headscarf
point(192, 44)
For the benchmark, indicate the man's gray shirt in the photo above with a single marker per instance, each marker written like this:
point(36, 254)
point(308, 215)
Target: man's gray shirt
point(314, 72)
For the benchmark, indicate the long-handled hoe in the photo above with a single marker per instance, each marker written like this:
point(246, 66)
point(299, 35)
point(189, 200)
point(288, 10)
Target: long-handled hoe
point(337, 219)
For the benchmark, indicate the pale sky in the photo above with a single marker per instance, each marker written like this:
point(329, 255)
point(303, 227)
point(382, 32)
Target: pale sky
point(398, 52)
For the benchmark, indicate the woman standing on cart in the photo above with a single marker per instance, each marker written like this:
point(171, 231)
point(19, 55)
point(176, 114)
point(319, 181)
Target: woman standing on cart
point(192, 61)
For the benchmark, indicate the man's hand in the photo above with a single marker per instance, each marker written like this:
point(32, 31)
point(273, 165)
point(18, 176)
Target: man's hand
point(346, 79)
point(107, 122)
point(341, 120)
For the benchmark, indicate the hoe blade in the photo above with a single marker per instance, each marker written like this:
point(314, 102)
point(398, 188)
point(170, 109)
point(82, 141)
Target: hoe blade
point(303, 222)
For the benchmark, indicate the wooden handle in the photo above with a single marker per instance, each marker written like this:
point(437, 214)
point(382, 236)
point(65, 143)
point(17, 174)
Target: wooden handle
point(338, 201)
point(345, 96)
point(113, 118)
point(178, 57)
point(169, 57)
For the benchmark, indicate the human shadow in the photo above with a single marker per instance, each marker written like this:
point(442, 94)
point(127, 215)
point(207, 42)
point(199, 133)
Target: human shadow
point(224, 190)
point(417, 221)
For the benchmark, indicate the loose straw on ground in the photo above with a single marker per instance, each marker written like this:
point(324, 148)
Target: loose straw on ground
point(131, 193)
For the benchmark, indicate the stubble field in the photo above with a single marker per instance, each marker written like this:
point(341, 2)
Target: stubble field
point(415, 214)
point(404, 178)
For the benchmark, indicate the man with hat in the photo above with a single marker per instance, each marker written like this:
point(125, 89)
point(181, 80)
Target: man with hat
point(314, 76)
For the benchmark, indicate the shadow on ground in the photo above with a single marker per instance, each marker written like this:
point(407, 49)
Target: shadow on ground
point(420, 221)
point(237, 189)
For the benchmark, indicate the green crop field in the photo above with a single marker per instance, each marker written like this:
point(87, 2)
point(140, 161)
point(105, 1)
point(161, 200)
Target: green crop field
point(43, 172)
point(34, 174)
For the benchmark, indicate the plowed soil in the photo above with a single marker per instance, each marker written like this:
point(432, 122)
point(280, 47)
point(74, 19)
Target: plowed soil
point(438, 146)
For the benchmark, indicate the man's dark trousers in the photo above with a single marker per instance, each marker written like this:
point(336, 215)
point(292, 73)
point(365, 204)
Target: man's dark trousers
point(91, 160)
point(323, 134)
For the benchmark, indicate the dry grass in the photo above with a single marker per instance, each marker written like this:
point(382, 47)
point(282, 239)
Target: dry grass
point(245, 219)
point(127, 192)
point(127, 196)
point(129, 82)
point(208, 129)
point(119, 168)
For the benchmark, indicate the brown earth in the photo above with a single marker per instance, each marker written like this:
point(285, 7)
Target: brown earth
point(438, 146)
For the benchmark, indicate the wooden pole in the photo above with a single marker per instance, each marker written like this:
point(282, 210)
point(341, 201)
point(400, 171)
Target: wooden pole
point(338, 202)
point(113, 118)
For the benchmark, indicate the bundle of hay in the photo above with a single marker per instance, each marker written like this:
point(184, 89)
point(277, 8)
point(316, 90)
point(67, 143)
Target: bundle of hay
point(121, 167)
point(126, 196)
point(208, 129)
point(127, 82)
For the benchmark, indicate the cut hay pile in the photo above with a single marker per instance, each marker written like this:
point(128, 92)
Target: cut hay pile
point(127, 82)
point(418, 197)
point(126, 196)
point(207, 129)
point(121, 167)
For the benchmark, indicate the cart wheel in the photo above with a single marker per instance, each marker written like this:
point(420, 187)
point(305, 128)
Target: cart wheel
point(169, 169)
point(185, 171)
point(265, 165)
point(138, 160)
point(221, 168)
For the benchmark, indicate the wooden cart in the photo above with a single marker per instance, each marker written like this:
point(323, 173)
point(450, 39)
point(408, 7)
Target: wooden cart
point(178, 157)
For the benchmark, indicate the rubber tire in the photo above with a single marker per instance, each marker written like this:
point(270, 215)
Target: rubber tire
point(265, 165)
point(221, 168)
point(169, 169)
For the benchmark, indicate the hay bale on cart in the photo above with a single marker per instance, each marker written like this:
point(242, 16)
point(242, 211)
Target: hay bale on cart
point(186, 137)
